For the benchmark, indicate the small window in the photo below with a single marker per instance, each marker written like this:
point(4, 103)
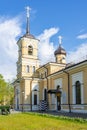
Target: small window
point(78, 92)
point(56, 59)
point(35, 99)
point(41, 75)
point(33, 69)
point(45, 74)
point(63, 58)
point(27, 69)
point(30, 50)
point(45, 94)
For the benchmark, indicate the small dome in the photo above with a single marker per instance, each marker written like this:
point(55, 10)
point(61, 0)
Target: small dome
point(60, 50)
point(27, 35)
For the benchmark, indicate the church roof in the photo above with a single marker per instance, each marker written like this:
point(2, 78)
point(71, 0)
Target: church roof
point(84, 62)
point(60, 50)
point(28, 35)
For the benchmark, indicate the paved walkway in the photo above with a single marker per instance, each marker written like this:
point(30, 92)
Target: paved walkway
point(60, 113)
point(67, 114)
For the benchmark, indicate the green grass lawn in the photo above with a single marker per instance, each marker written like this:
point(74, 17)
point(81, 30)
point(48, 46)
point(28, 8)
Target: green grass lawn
point(32, 121)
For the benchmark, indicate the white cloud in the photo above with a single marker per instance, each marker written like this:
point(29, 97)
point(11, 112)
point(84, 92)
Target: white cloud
point(46, 48)
point(78, 55)
point(83, 36)
point(9, 31)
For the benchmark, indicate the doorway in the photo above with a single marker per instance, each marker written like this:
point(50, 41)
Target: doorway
point(58, 101)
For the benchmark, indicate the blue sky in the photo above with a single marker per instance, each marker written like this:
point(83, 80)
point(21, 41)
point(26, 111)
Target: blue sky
point(67, 18)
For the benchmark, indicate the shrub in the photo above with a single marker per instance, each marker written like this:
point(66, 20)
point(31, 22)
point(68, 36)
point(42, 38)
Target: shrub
point(4, 110)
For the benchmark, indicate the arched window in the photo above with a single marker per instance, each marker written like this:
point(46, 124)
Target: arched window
point(78, 92)
point(27, 69)
point(35, 99)
point(33, 69)
point(30, 50)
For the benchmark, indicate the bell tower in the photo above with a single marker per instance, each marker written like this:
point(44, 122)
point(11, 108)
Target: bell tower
point(60, 53)
point(27, 64)
point(28, 60)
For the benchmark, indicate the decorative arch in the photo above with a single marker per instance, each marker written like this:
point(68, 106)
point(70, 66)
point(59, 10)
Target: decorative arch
point(77, 80)
point(35, 96)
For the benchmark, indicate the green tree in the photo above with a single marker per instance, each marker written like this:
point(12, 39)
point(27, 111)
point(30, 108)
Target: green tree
point(6, 92)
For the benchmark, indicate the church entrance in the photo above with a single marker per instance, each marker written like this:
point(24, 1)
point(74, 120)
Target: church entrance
point(58, 101)
point(57, 93)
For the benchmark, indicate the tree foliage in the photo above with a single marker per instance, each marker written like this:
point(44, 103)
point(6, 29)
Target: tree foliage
point(6, 92)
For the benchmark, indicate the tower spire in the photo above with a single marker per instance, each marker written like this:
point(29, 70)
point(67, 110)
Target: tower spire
point(28, 15)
